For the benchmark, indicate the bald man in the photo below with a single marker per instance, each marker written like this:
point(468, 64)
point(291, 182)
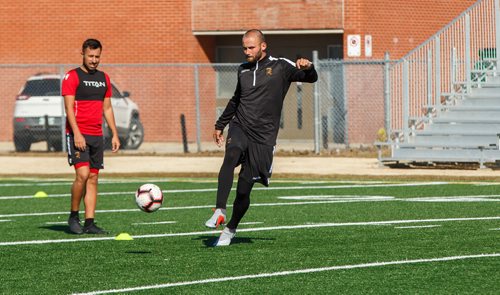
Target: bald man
point(253, 115)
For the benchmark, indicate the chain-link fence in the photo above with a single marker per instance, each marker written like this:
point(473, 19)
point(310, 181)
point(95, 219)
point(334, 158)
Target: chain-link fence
point(352, 101)
point(173, 107)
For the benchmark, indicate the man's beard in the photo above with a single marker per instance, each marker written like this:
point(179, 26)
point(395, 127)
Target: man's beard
point(90, 71)
point(255, 58)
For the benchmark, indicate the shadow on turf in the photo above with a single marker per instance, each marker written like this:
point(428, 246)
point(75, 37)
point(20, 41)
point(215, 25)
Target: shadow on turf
point(62, 228)
point(209, 241)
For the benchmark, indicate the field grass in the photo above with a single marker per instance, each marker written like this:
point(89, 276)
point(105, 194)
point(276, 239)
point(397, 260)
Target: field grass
point(299, 237)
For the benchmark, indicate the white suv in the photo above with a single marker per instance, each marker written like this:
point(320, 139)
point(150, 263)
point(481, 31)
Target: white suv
point(39, 111)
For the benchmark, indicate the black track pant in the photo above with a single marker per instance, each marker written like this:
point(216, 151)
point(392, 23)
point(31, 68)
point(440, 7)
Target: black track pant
point(226, 175)
point(241, 203)
point(256, 161)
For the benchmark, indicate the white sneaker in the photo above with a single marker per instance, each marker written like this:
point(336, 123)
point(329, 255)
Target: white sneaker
point(225, 237)
point(217, 219)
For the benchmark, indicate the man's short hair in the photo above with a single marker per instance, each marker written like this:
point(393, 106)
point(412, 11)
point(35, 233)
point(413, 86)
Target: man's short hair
point(92, 44)
point(259, 34)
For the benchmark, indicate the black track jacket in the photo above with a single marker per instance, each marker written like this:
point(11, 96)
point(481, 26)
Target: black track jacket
point(258, 98)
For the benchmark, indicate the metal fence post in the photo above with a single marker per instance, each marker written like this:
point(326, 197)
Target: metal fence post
point(317, 119)
point(346, 105)
point(406, 100)
point(467, 53)
point(197, 98)
point(453, 70)
point(387, 95)
point(497, 31)
point(63, 111)
point(429, 77)
point(437, 71)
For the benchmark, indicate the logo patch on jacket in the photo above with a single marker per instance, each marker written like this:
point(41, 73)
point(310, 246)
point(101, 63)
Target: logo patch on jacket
point(269, 71)
point(77, 154)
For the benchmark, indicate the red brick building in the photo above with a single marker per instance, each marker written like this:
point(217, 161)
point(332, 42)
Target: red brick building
point(199, 31)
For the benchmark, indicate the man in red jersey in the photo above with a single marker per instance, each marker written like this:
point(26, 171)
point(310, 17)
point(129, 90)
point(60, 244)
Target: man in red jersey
point(87, 96)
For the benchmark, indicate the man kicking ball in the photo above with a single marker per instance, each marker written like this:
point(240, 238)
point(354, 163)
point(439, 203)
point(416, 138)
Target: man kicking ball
point(253, 115)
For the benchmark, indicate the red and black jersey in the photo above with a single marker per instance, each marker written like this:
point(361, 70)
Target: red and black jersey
point(89, 90)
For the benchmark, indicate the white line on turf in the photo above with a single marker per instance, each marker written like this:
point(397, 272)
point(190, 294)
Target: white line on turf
point(256, 229)
point(365, 198)
point(477, 198)
point(182, 208)
point(495, 228)
point(158, 222)
point(251, 223)
point(60, 182)
point(56, 222)
point(341, 198)
point(418, 226)
point(102, 211)
point(293, 272)
point(255, 189)
point(5, 220)
point(316, 200)
point(57, 181)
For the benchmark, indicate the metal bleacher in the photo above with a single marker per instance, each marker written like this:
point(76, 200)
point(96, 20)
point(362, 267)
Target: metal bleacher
point(446, 95)
point(465, 128)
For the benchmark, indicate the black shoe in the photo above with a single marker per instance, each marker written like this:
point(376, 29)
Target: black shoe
point(75, 226)
point(94, 229)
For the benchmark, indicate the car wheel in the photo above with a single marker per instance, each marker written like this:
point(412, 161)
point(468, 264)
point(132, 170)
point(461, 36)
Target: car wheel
point(55, 146)
point(135, 135)
point(22, 144)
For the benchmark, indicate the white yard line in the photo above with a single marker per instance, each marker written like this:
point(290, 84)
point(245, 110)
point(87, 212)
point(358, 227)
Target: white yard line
point(338, 198)
point(329, 199)
point(257, 229)
point(293, 272)
point(185, 208)
point(251, 223)
point(255, 189)
point(476, 198)
point(5, 220)
point(472, 198)
point(58, 181)
point(418, 226)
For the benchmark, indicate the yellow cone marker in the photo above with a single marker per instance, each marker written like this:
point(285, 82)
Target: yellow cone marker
point(123, 237)
point(41, 194)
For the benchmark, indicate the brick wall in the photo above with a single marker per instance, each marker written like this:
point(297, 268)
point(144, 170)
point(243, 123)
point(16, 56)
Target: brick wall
point(233, 15)
point(398, 26)
point(152, 32)
point(52, 31)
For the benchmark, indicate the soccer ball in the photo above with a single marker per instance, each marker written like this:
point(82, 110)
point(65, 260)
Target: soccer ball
point(149, 197)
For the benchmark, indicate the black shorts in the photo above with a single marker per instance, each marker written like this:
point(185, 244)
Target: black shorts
point(93, 154)
point(256, 160)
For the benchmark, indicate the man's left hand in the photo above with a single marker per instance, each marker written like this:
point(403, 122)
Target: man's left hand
point(115, 144)
point(303, 64)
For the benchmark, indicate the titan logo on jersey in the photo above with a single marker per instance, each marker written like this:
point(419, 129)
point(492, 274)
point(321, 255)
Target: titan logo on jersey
point(269, 71)
point(96, 84)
